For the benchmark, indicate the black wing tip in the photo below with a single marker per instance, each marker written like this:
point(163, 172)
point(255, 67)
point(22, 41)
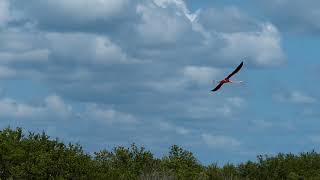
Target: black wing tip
point(216, 88)
point(240, 66)
point(235, 71)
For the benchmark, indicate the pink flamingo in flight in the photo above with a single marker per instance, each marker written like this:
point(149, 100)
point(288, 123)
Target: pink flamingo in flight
point(227, 79)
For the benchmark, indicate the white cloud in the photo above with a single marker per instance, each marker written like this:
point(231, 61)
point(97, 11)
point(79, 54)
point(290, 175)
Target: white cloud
point(107, 115)
point(220, 141)
point(56, 105)
point(298, 97)
point(10, 108)
point(201, 75)
point(157, 23)
point(171, 127)
point(295, 97)
point(189, 74)
point(263, 123)
point(182, 130)
point(53, 108)
point(236, 101)
point(101, 63)
point(292, 16)
point(4, 12)
point(273, 125)
point(222, 108)
point(227, 19)
point(6, 72)
point(167, 85)
point(180, 5)
point(160, 26)
point(16, 40)
point(35, 56)
point(72, 10)
point(259, 48)
point(85, 48)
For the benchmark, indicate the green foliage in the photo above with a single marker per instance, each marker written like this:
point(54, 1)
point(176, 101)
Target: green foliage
point(181, 163)
point(214, 172)
point(36, 156)
point(124, 163)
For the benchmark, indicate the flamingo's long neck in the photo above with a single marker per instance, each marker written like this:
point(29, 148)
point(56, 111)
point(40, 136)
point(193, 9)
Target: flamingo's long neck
point(236, 81)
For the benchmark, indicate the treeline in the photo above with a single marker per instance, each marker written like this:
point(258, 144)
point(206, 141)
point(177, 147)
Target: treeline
point(36, 156)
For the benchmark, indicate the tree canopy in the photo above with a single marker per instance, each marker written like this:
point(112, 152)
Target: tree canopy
point(37, 156)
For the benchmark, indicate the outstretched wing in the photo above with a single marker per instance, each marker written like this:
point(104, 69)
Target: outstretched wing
point(235, 71)
point(218, 87)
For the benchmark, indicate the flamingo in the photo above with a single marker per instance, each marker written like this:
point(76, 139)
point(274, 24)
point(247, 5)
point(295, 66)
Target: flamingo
point(227, 79)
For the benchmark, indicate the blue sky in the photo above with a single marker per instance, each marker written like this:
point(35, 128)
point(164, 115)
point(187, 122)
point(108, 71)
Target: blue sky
point(114, 72)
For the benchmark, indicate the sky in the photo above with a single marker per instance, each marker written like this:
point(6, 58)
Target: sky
point(104, 73)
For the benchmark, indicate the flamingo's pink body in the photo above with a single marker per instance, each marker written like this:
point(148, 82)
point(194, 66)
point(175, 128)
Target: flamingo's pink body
point(227, 79)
